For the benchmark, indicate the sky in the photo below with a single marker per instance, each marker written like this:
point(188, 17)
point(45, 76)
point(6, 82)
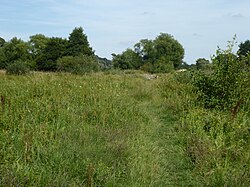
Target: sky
point(112, 26)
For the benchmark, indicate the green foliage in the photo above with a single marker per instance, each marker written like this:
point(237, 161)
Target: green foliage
point(78, 64)
point(14, 50)
point(244, 48)
point(2, 42)
point(218, 141)
point(159, 67)
point(202, 64)
point(17, 68)
point(55, 49)
point(145, 49)
point(42, 53)
point(226, 85)
point(105, 63)
point(3, 60)
point(161, 55)
point(78, 44)
point(185, 65)
point(127, 60)
point(169, 49)
point(38, 44)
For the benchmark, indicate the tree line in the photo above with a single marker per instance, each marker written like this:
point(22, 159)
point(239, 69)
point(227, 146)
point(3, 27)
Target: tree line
point(50, 54)
point(74, 54)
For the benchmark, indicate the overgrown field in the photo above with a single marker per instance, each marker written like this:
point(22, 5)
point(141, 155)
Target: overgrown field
point(116, 130)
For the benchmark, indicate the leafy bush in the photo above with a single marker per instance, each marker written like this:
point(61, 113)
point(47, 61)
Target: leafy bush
point(17, 68)
point(226, 86)
point(78, 65)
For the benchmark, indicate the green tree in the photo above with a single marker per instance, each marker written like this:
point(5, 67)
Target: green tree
point(168, 50)
point(3, 60)
point(244, 48)
point(127, 60)
point(202, 63)
point(15, 50)
point(55, 48)
point(146, 50)
point(38, 43)
point(78, 43)
point(2, 41)
point(163, 54)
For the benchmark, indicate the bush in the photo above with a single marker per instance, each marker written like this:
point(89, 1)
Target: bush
point(17, 68)
point(78, 64)
point(226, 86)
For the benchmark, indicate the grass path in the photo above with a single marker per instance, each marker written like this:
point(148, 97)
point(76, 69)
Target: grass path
point(160, 158)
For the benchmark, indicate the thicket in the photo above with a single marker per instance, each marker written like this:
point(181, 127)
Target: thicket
point(216, 126)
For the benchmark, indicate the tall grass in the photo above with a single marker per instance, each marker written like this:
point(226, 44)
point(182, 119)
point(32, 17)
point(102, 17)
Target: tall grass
point(92, 130)
point(116, 129)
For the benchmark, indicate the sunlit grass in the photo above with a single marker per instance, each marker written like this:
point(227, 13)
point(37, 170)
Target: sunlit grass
point(114, 129)
point(62, 129)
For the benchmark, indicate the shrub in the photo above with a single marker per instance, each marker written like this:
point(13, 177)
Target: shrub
point(226, 86)
point(17, 68)
point(78, 64)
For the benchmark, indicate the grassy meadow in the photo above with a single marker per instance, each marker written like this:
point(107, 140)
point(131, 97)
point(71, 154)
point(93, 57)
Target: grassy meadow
point(116, 129)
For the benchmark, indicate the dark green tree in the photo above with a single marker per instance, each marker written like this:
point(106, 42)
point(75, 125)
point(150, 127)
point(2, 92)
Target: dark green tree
point(15, 50)
point(244, 48)
point(78, 43)
point(2, 41)
point(168, 50)
point(3, 60)
point(55, 48)
point(127, 60)
point(146, 50)
point(202, 63)
point(162, 54)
